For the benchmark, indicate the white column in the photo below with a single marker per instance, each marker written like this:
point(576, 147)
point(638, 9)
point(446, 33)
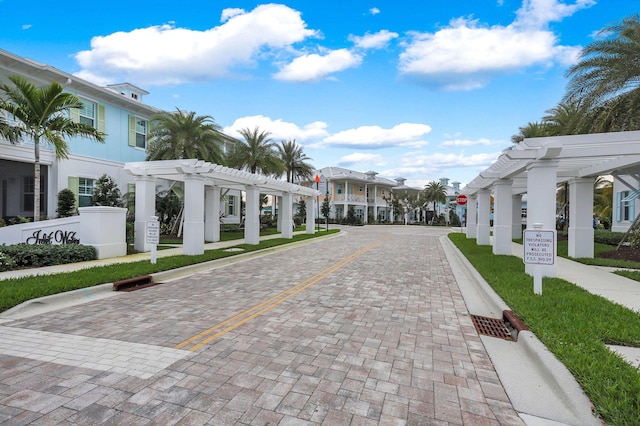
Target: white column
point(278, 204)
point(502, 217)
point(212, 213)
point(484, 218)
point(286, 211)
point(145, 208)
point(311, 226)
point(472, 211)
point(516, 219)
point(541, 204)
point(252, 216)
point(193, 238)
point(581, 217)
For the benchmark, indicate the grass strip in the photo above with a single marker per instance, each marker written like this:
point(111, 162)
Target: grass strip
point(574, 325)
point(15, 291)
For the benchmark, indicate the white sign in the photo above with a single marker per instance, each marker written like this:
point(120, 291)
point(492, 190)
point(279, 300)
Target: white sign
point(539, 247)
point(153, 232)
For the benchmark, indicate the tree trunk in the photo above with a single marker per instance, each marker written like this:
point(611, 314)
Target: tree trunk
point(36, 179)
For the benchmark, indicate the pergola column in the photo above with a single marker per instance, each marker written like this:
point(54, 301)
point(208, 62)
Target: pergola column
point(502, 217)
point(252, 215)
point(484, 218)
point(286, 211)
point(581, 217)
point(311, 225)
point(472, 211)
point(277, 200)
point(212, 213)
point(193, 237)
point(516, 216)
point(145, 208)
point(541, 204)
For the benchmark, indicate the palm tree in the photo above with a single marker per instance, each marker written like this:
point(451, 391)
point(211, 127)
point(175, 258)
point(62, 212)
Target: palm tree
point(294, 160)
point(256, 154)
point(181, 134)
point(603, 198)
point(436, 193)
point(531, 130)
point(41, 115)
point(567, 118)
point(607, 77)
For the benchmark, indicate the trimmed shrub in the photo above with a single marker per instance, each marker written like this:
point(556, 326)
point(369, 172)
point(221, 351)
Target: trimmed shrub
point(66, 203)
point(36, 255)
point(607, 237)
point(6, 262)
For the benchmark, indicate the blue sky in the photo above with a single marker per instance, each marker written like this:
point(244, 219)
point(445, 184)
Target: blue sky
point(420, 89)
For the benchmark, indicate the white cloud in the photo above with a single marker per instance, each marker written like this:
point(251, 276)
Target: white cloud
point(465, 54)
point(373, 41)
point(230, 13)
point(280, 130)
point(440, 160)
point(467, 142)
point(372, 137)
point(164, 54)
point(314, 67)
point(374, 11)
point(357, 159)
point(26, 26)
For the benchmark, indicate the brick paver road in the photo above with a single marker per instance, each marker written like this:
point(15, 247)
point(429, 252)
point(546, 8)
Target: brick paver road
point(365, 328)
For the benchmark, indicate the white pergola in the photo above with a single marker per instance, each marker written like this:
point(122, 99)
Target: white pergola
point(202, 184)
point(536, 166)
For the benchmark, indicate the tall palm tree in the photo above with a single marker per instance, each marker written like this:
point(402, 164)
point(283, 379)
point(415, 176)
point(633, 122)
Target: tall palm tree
point(607, 77)
point(180, 134)
point(603, 198)
point(436, 193)
point(295, 161)
point(41, 115)
point(567, 118)
point(257, 154)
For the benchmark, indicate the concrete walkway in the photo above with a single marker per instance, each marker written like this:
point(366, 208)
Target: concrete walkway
point(370, 327)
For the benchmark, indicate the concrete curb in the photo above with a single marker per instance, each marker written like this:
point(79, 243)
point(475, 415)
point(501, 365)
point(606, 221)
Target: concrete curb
point(84, 295)
point(539, 386)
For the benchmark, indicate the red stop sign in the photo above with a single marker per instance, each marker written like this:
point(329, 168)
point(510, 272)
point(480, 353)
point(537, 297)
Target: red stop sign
point(461, 200)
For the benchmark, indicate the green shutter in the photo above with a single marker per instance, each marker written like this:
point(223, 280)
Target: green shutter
point(74, 115)
point(132, 130)
point(73, 183)
point(102, 114)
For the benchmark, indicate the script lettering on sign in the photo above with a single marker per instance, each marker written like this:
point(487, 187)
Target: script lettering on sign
point(58, 237)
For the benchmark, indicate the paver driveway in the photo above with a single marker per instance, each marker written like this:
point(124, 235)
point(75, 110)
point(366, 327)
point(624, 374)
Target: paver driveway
point(365, 328)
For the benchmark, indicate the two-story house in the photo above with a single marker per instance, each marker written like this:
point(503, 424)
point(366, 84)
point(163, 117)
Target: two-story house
point(117, 110)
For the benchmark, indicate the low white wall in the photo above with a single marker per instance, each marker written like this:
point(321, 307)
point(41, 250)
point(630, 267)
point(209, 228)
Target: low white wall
point(101, 227)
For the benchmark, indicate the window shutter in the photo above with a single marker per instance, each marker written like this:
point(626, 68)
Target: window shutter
point(73, 183)
point(102, 115)
point(132, 130)
point(74, 115)
point(618, 206)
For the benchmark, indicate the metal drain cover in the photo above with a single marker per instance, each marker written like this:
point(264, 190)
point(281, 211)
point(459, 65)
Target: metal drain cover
point(493, 327)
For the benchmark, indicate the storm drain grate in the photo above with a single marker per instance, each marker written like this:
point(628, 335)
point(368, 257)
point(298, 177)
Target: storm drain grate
point(493, 327)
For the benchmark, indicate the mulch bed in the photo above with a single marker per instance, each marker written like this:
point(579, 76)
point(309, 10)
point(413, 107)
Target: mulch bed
point(623, 253)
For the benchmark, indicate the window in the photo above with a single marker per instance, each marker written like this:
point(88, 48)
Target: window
point(360, 188)
point(141, 133)
point(231, 206)
point(88, 113)
point(28, 184)
point(624, 206)
point(339, 189)
point(85, 191)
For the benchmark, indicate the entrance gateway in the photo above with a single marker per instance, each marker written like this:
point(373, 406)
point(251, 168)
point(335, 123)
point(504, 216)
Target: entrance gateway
point(202, 184)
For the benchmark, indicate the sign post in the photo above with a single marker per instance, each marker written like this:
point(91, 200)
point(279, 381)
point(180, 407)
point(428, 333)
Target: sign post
point(317, 204)
point(153, 236)
point(539, 249)
point(462, 200)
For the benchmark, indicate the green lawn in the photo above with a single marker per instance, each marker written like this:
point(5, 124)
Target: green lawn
point(16, 291)
point(573, 324)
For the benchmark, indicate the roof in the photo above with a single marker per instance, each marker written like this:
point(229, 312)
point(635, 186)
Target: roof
point(43, 73)
point(577, 156)
point(215, 174)
point(333, 173)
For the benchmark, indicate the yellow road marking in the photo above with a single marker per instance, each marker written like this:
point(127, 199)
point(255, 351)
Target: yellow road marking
point(259, 309)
